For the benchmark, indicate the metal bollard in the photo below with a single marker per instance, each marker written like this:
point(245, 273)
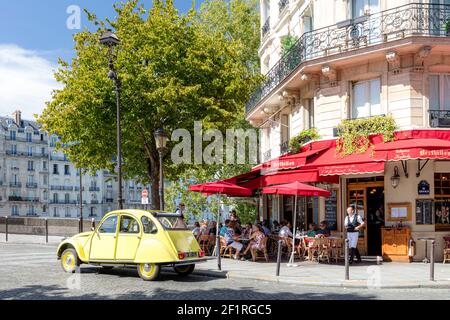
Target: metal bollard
point(347, 265)
point(6, 228)
point(280, 242)
point(219, 261)
point(432, 261)
point(46, 230)
point(93, 223)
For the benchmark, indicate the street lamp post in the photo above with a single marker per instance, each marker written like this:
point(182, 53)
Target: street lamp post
point(81, 200)
point(161, 142)
point(110, 40)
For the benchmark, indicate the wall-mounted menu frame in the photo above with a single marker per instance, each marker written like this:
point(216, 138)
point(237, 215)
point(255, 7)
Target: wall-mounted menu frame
point(424, 211)
point(399, 211)
point(331, 209)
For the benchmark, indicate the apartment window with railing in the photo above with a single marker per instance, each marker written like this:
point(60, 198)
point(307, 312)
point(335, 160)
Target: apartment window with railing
point(366, 98)
point(30, 165)
point(12, 135)
point(29, 137)
point(30, 151)
point(14, 210)
point(14, 149)
point(55, 198)
point(66, 198)
point(439, 100)
point(285, 132)
point(364, 7)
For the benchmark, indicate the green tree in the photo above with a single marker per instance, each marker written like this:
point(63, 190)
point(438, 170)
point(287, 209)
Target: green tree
point(174, 69)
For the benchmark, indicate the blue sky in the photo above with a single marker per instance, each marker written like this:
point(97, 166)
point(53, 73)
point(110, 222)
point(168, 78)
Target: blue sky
point(33, 35)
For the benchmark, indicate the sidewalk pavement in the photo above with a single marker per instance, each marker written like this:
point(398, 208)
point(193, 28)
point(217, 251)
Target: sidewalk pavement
point(30, 239)
point(366, 275)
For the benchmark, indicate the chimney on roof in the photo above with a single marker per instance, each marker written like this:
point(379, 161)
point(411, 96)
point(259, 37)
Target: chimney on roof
point(17, 115)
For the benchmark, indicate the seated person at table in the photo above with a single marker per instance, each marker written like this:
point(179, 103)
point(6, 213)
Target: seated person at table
point(247, 231)
point(285, 230)
point(323, 229)
point(255, 241)
point(234, 217)
point(196, 230)
point(276, 226)
point(265, 227)
point(212, 228)
point(203, 227)
point(312, 230)
point(231, 237)
point(224, 228)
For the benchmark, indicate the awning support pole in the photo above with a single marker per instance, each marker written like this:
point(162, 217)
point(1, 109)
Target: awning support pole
point(405, 167)
point(420, 168)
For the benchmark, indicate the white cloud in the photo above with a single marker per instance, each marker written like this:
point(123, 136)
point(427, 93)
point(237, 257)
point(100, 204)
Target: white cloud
point(26, 81)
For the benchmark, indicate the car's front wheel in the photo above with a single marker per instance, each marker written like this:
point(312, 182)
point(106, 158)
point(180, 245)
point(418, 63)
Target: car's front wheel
point(185, 270)
point(69, 260)
point(148, 271)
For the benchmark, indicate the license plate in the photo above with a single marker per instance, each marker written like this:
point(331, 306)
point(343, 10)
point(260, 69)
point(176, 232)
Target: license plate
point(191, 254)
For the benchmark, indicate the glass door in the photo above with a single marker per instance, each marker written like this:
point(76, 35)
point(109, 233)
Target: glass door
point(357, 199)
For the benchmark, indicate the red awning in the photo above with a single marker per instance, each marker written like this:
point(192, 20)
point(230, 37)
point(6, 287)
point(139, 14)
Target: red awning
point(355, 168)
point(221, 187)
point(413, 149)
point(297, 188)
point(291, 161)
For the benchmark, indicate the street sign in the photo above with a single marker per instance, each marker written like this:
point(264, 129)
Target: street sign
point(144, 200)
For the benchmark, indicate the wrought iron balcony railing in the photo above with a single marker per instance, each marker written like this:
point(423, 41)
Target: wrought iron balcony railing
point(415, 19)
point(439, 119)
point(265, 28)
point(282, 4)
point(32, 185)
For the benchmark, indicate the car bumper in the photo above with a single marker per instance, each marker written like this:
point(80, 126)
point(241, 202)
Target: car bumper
point(188, 262)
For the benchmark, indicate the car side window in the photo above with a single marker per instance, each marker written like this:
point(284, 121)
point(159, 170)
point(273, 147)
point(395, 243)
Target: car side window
point(149, 226)
point(109, 225)
point(128, 225)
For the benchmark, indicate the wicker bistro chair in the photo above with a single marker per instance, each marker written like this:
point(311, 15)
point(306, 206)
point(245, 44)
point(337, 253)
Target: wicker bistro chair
point(312, 248)
point(325, 250)
point(262, 249)
point(225, 250)
point(206, 243)
point(446, 249)
point(337, 249)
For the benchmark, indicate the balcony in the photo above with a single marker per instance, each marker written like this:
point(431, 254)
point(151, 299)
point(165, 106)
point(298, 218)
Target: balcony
point(108, 200)
point(23, 199)
point(265, 28)
point(282, 4)
point(416, 19)
point(32, 185)
point(64, 202)
point(15, 185)
point(61, 188)
point(94, 189)
point(439, 119)
point(21, 139)
point(284, 147)
point(58, 158)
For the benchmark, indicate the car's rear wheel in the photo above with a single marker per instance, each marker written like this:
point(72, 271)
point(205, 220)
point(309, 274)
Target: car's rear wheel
point(185, 270)
point(69, 260)
point(148, 271)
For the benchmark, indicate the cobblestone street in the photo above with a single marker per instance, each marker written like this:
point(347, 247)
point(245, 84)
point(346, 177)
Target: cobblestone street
point(31, 271)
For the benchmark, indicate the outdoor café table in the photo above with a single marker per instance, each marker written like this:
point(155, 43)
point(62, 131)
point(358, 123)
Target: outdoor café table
point(426, 239)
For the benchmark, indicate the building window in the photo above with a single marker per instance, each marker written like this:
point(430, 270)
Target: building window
point(67, 169)
point(310, 120)
point(442, 201)
point(366, 98)
point(30, 151)
point(45, 180)
point(439, 86)
point(13, 149)
point(30, 165)
point(67, 198)
point(55, 198)
point(55, 212)
point(12, 135)
point(364, 7)
point(29, 136)
point(44, 165)
point(14, 210)
point(67, 213)
point(55, 169)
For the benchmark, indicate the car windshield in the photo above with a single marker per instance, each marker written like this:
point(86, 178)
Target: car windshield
point(172, 223)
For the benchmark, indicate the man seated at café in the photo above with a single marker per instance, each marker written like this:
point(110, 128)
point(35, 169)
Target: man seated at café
point(224, 228)
point(323, 229)
point(285, 230)
point(265, 227)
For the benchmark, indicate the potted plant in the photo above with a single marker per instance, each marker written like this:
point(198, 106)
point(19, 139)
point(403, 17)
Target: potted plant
point(447, 28)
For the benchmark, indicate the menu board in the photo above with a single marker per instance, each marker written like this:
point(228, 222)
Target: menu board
point(331, 210)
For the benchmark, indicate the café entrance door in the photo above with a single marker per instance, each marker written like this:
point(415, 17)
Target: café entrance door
point(367, 198)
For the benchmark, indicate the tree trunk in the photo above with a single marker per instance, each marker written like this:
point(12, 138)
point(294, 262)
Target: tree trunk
point(153, 174)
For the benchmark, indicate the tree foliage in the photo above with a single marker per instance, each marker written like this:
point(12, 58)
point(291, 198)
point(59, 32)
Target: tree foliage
point(174, 69)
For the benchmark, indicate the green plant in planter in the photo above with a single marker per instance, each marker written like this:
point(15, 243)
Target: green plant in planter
point(303, 137)
point(287, 42)
point(447, 27)
point(354, 133)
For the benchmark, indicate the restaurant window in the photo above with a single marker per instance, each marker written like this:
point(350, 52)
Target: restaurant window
point(364, 7)
point(366, 100)
point(442, 201)
point(439, 86)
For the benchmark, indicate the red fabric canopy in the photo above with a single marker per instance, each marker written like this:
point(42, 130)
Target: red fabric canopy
point(413, 149)
point(291, 161)
point(221, 187)
point(296, 188)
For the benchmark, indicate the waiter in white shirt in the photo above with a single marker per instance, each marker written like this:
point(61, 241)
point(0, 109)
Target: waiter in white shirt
point(353, 223)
